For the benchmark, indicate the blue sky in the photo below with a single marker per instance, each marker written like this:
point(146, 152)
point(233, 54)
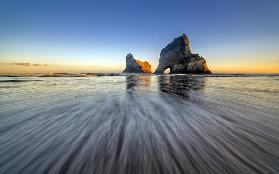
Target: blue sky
point(230, 34)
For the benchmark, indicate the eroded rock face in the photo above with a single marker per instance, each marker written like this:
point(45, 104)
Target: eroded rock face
point(136, 66)
point(179, 58)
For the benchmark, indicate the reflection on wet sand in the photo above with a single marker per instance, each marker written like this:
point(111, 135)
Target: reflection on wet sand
point(138, 80)
point(180, 85)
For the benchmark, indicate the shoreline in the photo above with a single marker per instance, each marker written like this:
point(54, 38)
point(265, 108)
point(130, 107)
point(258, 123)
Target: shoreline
point(127, 74)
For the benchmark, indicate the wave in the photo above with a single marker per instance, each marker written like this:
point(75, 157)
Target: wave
point(139, 124)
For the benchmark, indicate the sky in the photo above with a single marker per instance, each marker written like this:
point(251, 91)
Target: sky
point(235, 36)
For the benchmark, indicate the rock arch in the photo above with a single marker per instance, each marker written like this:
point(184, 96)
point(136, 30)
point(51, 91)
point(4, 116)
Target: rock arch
point(178, 56)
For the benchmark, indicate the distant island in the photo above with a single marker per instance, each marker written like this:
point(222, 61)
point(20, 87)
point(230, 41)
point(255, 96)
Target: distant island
point(136, 66)
point(177, 56)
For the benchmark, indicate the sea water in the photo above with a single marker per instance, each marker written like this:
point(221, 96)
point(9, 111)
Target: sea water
point(140, 124)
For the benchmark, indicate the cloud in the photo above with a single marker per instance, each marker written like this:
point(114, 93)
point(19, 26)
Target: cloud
point(25, 64)
point(92, 66)
point(40, 64)
point(21, 64)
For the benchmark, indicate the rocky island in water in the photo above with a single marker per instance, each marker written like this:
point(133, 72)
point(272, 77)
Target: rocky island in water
point(136, 66)
point(177, 56)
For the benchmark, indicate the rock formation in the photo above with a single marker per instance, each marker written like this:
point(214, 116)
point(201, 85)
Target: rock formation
point(136, 66)
point(179, 58)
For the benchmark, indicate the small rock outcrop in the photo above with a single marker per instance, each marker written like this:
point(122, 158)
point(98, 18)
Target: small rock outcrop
point(136, 66)
point(179, 58)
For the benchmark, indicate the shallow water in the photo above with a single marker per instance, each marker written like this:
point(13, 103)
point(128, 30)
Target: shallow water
point(139, 124)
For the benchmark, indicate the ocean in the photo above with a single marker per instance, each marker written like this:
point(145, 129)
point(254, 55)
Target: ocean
point(140, 124)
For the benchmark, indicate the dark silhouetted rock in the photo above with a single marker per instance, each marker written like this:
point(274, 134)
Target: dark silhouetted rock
point(179, 58)
point(136, 66)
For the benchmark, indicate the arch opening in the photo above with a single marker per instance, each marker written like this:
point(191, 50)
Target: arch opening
point(167, 71)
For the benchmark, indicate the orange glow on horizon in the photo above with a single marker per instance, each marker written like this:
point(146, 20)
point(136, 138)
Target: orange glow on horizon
point(37, 68)
point(21, 69)
point(256, 68)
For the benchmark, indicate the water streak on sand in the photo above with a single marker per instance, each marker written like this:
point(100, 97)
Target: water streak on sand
point(140, 124)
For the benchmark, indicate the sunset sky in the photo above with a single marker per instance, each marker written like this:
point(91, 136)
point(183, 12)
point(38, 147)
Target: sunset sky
point(235, 36)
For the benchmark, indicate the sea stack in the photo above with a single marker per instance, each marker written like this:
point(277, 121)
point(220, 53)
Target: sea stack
point(179, 58)
point(136, 66)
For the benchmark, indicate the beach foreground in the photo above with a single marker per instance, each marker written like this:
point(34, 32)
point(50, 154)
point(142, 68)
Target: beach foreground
point(139, 124)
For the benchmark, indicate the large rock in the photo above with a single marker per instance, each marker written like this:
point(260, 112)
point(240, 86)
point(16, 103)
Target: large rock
point(179, 58)
point(136, 66)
